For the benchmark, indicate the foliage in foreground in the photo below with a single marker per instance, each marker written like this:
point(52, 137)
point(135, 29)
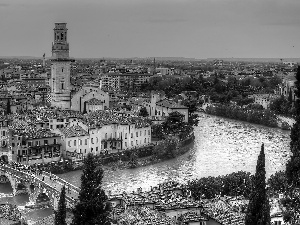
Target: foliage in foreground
point(292, 200)
point(93, 207)
point(258, 211)
point(234, 184)
point(60, 215)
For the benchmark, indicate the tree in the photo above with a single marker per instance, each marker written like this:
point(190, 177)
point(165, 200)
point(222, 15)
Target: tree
point(133, 162)
point(277, 183)
point(8, 109)
point(173, 122)
point(166, 149)
point(292, 201)
point(258, 211)
point(93, 207)
point(60, 214)
point(143, 112)
point(290, 98)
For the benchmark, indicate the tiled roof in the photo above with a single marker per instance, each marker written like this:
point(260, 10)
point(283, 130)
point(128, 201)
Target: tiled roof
point(101, 118)
point(74, 131)
point(170, 104)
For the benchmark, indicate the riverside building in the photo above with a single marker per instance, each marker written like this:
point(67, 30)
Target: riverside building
point(104, 132)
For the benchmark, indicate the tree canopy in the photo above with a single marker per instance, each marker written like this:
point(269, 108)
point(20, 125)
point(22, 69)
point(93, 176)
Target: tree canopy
point(258, 211)
point(93, 207)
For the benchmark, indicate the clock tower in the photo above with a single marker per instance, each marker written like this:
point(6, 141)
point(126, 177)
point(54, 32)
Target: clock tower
point(60, 69)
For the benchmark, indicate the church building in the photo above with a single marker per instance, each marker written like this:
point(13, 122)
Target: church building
point(89, 98)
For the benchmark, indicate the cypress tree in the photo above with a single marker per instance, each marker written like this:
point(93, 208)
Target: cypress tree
point(290, 98)
point(93, 207)
point(8, 110)
point(60, 214)
point(258, 211)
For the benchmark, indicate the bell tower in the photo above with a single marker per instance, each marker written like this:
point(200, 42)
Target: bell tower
point(60, 69)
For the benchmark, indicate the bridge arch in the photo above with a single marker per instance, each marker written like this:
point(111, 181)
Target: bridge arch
point(6, 179)
point(4, 158)
point(21, 188)
point(43, 198)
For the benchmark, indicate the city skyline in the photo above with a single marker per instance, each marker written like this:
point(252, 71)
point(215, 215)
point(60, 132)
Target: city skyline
point(166, 28)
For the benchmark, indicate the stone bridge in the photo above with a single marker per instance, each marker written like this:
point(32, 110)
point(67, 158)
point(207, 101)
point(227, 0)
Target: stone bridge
point(37, 186)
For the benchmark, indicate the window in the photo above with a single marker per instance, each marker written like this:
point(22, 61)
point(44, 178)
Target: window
point(37, 143)
point(13, 144)
point(79, 150)
point(92, 140)
point(137, 133)
point(74, 142)
point(91, 149)
point(80, 142)
point(140, 133)
point(97, 140)
point(29, 143)
point(131, 135)
point(85, 141)
point(125, 144)
point(145, 140)
point(96, 149)
point(145, 132)
point(148, 132)
point(84, 150)
point(125, 135)
point(136, 142)
point(3, 134)
point(54, 141)
point(105, 135)
point(62, 69)
point(69, 143)
point(131, 143)
point(45, 142)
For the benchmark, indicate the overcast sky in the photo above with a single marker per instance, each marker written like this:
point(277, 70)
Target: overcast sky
point(147, 28)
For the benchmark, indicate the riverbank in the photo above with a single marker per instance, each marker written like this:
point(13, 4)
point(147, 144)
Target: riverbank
point(262, 117)
point(119, 160)
point(183, 147)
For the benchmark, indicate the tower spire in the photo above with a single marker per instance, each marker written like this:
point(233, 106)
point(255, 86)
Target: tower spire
point(44, 60)
point(154, 67)
point(60, 69)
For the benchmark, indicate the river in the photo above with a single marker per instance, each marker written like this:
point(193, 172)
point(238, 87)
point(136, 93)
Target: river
point(221, 146)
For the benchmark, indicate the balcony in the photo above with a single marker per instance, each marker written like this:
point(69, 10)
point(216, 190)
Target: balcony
point(111, 140)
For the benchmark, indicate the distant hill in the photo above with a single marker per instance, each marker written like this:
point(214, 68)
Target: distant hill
point(20, 57)
point(275, 60)
point(170, 59)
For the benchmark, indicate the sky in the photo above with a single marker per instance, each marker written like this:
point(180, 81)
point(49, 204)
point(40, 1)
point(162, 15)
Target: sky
point(153, 28)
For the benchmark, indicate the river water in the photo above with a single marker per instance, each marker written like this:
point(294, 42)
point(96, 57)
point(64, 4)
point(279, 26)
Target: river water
point(221, 146)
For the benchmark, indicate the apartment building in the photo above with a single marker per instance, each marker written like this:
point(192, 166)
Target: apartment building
point(126, 81)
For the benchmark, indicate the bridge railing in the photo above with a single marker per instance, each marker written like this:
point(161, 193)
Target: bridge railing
point(71, 186)
point(31, 176)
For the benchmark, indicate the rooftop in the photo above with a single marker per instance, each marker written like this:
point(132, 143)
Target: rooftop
point(74, 131)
